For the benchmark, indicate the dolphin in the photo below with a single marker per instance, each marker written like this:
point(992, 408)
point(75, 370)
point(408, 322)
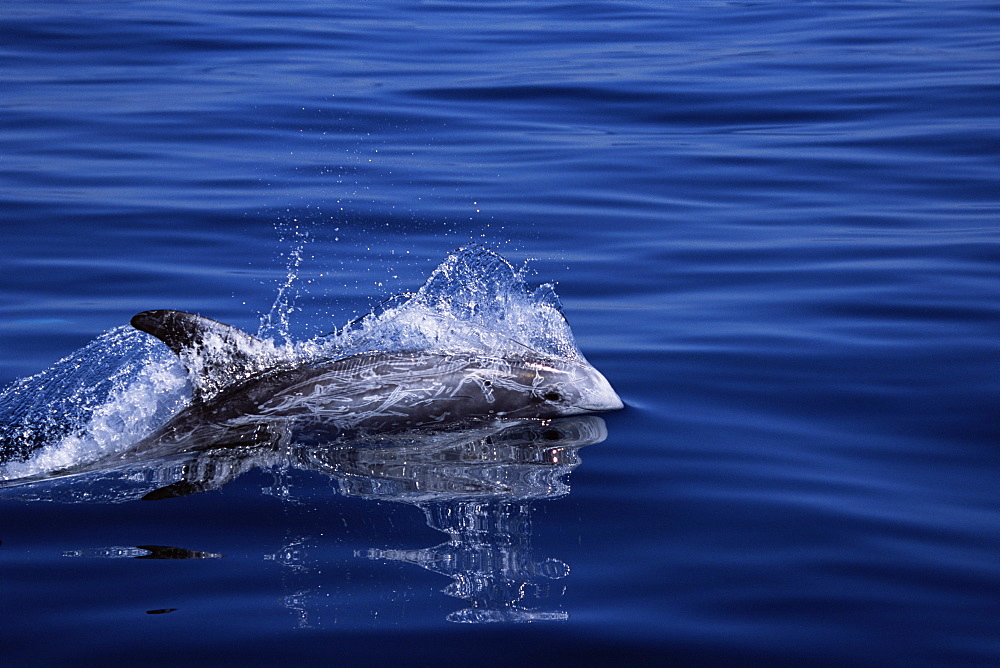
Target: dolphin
point(246, 393)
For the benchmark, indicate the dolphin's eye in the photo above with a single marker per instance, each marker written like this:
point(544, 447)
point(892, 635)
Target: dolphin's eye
point(552, 396)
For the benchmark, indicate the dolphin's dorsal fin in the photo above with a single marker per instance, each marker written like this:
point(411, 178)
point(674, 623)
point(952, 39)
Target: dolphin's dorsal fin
point(216, 355)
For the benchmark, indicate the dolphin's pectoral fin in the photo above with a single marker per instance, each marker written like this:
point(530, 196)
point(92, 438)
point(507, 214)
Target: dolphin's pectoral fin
point(216, 354)
point(175, 490)
point(219, 462)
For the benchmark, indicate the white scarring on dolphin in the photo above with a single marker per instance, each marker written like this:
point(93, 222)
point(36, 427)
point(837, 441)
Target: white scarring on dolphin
point(244, 393)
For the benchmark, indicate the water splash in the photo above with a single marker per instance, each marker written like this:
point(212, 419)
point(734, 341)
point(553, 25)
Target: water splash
point(111, 392)
point(276, 323)
point(474, 301)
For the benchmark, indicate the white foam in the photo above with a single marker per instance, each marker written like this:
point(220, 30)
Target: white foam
point(142, 392)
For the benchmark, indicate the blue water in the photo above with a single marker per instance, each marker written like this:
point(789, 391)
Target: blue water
point(773, 226)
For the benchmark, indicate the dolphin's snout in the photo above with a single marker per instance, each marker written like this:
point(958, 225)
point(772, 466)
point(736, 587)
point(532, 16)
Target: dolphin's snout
point(596, 393)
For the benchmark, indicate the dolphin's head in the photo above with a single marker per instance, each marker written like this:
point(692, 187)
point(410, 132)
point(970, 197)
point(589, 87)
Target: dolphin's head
point(545, 387)
point(570, 387)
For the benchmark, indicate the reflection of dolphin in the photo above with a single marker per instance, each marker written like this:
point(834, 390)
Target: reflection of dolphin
point(523, 462)
point(244, 393)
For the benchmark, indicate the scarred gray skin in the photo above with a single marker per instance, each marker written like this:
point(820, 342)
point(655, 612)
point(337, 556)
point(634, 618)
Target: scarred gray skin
point(243, 397)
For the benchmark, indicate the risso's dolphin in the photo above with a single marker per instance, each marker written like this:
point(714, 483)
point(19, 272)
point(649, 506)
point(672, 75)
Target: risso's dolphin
point(245, 392)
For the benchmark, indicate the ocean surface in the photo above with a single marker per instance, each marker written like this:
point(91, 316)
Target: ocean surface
point(774, 227)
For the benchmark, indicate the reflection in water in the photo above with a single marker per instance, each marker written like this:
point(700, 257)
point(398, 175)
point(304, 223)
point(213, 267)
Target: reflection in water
point(489, 557)
point(477, 486)
point(142, 552)
point(295, 561)
point(480, 493)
